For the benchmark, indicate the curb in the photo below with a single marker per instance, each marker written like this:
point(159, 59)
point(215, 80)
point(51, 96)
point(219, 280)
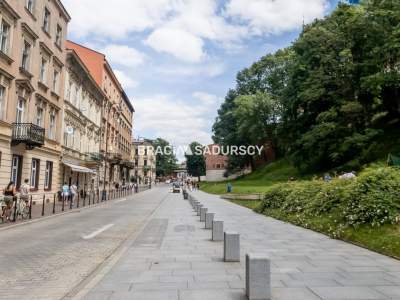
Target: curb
point(76, 210)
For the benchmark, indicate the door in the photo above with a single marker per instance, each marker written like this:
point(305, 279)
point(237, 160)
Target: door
point(20, 118)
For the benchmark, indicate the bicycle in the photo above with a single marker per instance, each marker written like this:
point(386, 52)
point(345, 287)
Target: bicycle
point(22, 209)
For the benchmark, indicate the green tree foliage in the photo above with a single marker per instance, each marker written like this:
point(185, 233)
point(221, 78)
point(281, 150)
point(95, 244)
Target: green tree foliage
point(195, 161)
point(166, 160)
point(334, 91)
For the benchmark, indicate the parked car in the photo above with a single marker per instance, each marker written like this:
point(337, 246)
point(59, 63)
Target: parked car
point(176, 188)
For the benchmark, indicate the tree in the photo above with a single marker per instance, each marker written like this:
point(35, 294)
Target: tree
point(333, 93)
point(257, 117)
point(165, 160)
point(195, 161)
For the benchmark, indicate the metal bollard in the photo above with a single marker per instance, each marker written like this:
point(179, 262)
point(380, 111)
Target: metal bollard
point(63, 203)
point(217, 231)
point(258, 277)
point(209, 220)
point(231, 246)
point(203, 212)
point(54, 204)
point(43, 203)
point(199, 206)
point(30, 208)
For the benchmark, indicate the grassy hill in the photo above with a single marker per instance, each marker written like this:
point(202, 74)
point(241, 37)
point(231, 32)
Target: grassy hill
point(260, 181)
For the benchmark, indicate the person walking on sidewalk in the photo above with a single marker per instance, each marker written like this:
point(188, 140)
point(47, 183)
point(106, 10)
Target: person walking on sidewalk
point(9, 196)
point(74, 193)
point(65, 192)
point(24, 191)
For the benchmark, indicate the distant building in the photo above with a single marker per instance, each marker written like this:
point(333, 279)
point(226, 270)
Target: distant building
point(215, 164)
point(144, 170)
point(181, 172)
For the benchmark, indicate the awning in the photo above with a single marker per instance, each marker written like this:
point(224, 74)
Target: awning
point(80, 169)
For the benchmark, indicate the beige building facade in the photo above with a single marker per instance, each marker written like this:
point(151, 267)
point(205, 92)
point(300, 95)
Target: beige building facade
point(145, 162)
point(32, 72)
point(83, 101)
point(116, 120)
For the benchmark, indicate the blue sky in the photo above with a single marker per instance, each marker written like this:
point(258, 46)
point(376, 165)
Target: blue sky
point(177, 58)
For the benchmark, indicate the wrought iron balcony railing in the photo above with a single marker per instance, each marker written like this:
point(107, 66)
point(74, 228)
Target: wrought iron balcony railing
point(114, 157)
point(27, 133)
point(94, 157)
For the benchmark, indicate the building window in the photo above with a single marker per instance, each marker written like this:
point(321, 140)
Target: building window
point(43, 70)
point(35, 173)
point(46, 20)
point(56, 81)
point(5, 37)
point(26, 51)
point(52, 125)
point(39, 116)
point(30, 5)
point(48, 175)
point(2, 101)
point(16, 170)
point(20, 117)
point(59, 35)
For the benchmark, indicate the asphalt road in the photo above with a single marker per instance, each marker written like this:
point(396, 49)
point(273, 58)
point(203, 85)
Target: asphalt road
point(49, 258)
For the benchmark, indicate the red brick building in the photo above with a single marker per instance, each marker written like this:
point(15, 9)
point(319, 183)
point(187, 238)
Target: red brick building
point(215, 164)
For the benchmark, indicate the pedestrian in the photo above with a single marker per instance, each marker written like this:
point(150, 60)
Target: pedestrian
point(9, 196)
point(198, 186)
point(24, 191)
point(229, 188)
point(65, 192)
point(74, 193)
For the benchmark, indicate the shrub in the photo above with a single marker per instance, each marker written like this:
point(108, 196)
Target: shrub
point(373, 198)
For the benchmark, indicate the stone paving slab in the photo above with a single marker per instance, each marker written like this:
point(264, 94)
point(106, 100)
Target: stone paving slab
point(176, 259)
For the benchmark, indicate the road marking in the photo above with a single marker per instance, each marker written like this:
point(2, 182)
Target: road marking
point(122, 200)
point(97, 232)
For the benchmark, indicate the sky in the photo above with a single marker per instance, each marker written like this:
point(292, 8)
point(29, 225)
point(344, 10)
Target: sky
point(176, 59)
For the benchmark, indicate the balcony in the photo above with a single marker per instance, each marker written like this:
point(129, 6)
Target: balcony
point(114, 158)
point(94, 157)
point(27, 133)
point(128, 164)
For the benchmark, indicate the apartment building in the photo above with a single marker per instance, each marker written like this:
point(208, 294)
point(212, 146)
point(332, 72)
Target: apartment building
point(116, 123)
point(145, 161)
point(83, 101)
point(32, 71)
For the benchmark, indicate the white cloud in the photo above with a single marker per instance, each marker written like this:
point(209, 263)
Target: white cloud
point(177, 42)
point(178, 121)
point(207, 100)
point(203, 70)
point(124, 55)
point(265, 17)
point(126, 81)
point(182, 28)
point(117, 18)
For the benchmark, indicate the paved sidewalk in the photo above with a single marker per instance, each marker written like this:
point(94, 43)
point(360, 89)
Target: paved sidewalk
point(174, 258)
